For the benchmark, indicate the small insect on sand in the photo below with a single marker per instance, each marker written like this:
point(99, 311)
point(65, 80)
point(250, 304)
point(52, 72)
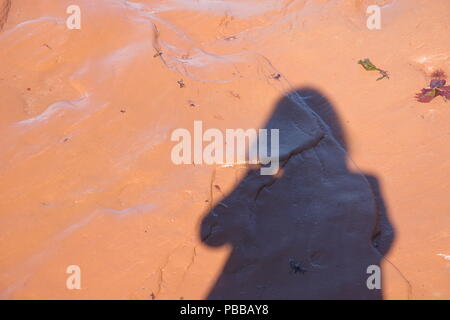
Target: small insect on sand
point(158, 54)
point(276, 76)
point(236, 95)
point(192, 104)
point(181, 83)
point(296, 267)
point(230, 38)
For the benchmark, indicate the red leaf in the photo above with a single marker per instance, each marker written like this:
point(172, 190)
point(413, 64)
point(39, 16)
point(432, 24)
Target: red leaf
point(445, 92)
point(437, 83)
point(426, 95)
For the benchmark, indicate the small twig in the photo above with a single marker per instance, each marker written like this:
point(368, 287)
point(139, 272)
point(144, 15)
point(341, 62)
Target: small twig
point(384, 74)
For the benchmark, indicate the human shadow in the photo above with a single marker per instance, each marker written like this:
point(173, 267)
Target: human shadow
point(312, 230)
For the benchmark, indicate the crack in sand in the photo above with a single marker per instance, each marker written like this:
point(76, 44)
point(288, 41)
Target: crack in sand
point(161, 274)
point(210, 232)
point(191, 263)
point(4, 11)
point(164, 265)
point(211, 186)
point(402, 275)
point(314, 143)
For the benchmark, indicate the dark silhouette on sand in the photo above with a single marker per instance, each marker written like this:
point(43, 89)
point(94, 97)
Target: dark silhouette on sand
point(310, 232)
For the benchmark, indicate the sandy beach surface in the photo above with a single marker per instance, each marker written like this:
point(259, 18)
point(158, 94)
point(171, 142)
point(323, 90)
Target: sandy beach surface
point(87, 179)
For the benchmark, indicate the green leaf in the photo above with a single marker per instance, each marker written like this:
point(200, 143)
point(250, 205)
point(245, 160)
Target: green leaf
point(367, 65)
point(433, 93)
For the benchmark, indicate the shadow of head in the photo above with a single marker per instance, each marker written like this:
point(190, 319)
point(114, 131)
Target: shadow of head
point(316, 216)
